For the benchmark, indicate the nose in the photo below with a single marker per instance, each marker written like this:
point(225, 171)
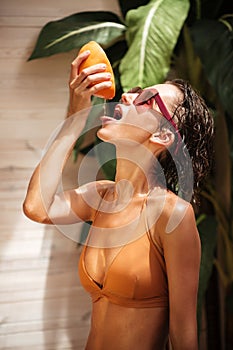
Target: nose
point(127, 98)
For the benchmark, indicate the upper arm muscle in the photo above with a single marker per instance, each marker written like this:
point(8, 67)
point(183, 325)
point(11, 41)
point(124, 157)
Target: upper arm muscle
point(182, 256)
point(77, 205)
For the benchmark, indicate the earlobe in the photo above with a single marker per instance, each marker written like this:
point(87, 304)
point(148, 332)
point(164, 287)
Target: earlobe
point(164, 137)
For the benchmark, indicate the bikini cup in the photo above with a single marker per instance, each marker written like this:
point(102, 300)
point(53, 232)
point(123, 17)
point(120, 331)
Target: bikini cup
point(136, 276)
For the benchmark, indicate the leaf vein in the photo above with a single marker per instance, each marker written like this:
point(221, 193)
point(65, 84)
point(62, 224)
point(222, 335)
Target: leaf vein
point(85, 29)
point(144, 40)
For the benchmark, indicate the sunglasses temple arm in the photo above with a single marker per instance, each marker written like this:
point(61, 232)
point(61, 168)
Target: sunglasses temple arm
point(167, 115)
point(163, 109)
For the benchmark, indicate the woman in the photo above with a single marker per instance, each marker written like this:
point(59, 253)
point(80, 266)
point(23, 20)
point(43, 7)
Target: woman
point(143, 274)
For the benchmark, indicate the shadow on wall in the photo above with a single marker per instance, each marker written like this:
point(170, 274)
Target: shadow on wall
point(66, 306)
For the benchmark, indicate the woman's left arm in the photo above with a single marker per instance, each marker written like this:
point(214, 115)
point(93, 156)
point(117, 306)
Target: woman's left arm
point(182, 252)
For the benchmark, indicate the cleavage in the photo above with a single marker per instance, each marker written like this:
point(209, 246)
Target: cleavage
point(98, 261)
point(105, 243)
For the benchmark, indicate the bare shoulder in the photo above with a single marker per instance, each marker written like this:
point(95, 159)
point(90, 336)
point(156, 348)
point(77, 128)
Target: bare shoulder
point(177, 212)
point(171, 208)
point(180, 223)
point(93, 192)
point(99, 186)
point(176, 218)
point(83, 202)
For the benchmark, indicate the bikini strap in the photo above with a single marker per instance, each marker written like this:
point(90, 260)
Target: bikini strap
point(148, 231)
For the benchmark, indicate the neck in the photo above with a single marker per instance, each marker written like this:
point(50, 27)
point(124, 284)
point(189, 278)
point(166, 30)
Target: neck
point(135, 170)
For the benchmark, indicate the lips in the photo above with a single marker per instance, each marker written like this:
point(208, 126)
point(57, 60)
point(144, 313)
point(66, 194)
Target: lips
point(106, 120)
point(117, 115)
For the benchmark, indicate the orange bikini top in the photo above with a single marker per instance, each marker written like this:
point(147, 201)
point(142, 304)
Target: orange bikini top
point(136, 278)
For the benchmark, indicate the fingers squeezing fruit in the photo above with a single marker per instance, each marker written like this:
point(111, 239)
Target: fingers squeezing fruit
point(97, 55)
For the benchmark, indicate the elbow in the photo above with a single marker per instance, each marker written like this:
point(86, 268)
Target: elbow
point(28, 210)
point(35, 213)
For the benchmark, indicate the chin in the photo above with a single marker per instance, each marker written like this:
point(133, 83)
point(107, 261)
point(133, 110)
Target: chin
point(107, 136)
point(103, 134)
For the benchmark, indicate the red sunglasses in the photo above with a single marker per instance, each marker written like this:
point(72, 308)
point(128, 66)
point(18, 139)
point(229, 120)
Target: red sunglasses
point(145, 96)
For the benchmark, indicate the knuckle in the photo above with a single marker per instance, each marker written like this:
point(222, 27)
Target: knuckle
point(89, 79)
point(83, 74)
point(73, 64)
point(95, 87)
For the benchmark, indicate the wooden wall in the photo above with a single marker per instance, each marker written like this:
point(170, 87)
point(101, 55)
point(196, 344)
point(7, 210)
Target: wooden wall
point(42, 305)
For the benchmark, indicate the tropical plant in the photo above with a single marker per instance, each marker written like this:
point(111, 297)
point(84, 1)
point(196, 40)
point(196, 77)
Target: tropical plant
point(156, 39)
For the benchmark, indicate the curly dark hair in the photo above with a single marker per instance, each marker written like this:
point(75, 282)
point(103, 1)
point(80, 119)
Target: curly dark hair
point(196, 128)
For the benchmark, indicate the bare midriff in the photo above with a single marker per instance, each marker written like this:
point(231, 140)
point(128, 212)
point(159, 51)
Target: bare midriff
point(121, 328)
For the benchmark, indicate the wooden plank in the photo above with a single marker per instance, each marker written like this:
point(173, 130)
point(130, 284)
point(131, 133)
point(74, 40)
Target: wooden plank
point(29, 158)
point(15, 21)
point(67, 338)
point(48, 73)
point(49, 340)
point(47, 98)
point(25, 280)
point(25, 130)
point(27, 249)
point(15, 69)
point(75, 291)
point(56, 83)
point(54, 308)
point(18, 37)
point(52, 324)
point(53, 9)
point(37, 245)
point(25, 263)
point(30, 114)
point(56, 66)
point(42, 304)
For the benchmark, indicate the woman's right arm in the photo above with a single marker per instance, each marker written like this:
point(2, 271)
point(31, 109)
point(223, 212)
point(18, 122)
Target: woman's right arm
point(43, 202)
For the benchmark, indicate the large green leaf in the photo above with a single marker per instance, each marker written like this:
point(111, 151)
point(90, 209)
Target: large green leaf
point(106, 155)
point(74, 31)
point(213, 42)
point(152, 33)
point(115, 54)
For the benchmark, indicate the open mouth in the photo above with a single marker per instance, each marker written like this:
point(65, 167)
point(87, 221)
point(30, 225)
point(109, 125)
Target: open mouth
point(117, 112)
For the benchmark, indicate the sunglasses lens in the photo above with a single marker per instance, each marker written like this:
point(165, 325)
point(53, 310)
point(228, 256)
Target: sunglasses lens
point(144, 97)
